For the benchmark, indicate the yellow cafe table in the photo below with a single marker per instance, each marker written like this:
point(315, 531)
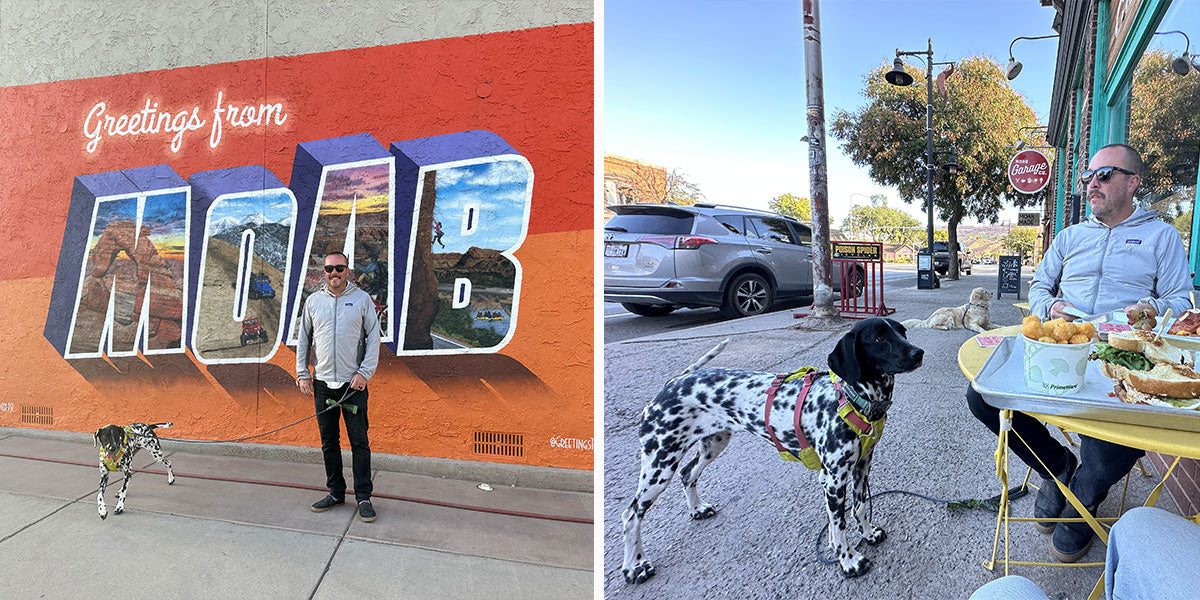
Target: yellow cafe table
point(1180, 444)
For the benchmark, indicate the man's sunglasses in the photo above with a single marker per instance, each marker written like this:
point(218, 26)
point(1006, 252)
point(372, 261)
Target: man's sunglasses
point(1103, 174)
point(340, 268)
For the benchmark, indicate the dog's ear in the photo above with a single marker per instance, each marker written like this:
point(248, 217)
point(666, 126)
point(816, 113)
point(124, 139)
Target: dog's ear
point(844, 358)
point(96, 438)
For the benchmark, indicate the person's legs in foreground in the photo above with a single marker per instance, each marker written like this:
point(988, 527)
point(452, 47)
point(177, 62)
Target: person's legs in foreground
point(1101, 464)
point(360, 448)
point(1009, 587)
point(1030, 438)
point(1152, 554)
point(331, 447)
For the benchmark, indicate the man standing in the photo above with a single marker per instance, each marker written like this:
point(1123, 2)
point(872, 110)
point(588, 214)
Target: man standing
point(1119, 258)
point(339, 322)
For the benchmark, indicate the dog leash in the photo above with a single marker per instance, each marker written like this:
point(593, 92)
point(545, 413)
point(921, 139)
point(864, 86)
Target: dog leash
point(346, 394)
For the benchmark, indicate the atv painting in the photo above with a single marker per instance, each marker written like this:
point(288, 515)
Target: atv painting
point(253, 332)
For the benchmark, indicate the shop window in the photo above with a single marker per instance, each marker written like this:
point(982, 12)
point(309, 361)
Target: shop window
point(1164, 125)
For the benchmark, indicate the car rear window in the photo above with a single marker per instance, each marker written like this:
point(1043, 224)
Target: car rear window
point(734, 223)
point(773, 229)
point(656, 224)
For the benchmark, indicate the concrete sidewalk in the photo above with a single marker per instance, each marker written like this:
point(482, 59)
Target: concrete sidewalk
point(208, 538)
point(761, 543)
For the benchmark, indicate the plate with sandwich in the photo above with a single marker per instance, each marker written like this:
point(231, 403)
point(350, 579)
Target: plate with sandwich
point(1132, 378)
point(1149, 370)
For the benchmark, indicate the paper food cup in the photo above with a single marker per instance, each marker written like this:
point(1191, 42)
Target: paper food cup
point(1055, 368)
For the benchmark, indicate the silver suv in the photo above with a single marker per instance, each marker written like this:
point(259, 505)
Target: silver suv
point(658, 258)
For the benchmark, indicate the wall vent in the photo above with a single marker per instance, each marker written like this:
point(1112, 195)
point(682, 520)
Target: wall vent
point(39, 415)
point(500, 444)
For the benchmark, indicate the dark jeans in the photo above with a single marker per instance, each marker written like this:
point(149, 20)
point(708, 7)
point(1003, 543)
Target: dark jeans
point(1101, 463)
point(331, 447)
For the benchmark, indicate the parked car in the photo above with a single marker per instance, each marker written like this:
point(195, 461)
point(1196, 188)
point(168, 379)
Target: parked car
point(658, 258)
point(941, 258)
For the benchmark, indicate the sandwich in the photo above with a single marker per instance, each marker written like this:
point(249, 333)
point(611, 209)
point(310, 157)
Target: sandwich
point(1149, 371)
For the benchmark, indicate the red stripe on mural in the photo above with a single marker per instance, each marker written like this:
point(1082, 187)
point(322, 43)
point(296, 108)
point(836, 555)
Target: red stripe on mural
point(532, 87)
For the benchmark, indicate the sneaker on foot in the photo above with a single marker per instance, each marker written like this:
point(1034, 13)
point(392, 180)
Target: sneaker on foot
point(1050, 501)
point(327, 503)
point(1071, 541)
point(366, 513)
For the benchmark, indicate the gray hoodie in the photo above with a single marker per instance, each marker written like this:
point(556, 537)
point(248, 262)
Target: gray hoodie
point(1099, 268)
point(344, 333)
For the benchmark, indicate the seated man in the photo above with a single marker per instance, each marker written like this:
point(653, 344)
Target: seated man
point(1151, 555)
point(1119, 257)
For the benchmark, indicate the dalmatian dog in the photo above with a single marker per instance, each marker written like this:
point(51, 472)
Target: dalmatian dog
point(974, 315)
point(704, 407)
point(117, 446)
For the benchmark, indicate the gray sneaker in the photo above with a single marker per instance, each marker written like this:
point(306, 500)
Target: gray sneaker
point(327, 503)
point(366, 513)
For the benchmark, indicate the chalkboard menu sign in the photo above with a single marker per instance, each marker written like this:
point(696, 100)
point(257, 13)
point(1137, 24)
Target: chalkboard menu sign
point(1009, 276)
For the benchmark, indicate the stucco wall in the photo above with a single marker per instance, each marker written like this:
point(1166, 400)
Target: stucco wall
point(68, 39)
point(476, 115)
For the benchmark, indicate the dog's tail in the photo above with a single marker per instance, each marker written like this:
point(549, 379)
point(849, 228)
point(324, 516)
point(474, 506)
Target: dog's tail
point(160, 425)
point(911, 323)
point(692, 368)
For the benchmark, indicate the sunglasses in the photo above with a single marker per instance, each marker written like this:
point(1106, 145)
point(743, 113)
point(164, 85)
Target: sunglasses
point(1102, 174)
point(339, 268)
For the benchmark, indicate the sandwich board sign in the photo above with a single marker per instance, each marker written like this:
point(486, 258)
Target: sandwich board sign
point(1009, 276)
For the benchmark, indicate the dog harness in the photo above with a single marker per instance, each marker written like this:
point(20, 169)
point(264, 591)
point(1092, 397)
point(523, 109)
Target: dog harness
point(112, 460)
point(967, 307)
point(868, 432)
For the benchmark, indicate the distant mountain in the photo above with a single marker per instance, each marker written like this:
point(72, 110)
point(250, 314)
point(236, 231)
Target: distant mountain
point(270, 241)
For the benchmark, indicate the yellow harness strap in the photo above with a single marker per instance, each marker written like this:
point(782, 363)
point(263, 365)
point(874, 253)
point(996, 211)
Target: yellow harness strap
point(868, 432)
point(111, 462)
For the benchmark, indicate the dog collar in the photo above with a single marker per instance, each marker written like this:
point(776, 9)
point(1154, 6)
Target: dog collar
point(861, 404)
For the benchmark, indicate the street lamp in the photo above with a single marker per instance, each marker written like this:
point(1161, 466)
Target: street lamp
point(897, 76)
point(1014, 66)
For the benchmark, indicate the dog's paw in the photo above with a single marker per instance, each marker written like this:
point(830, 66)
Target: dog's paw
point(703, 511)
point(855, 566)
point(639, 573)
point(171, 480)
point(118, 510)
point(876, 537)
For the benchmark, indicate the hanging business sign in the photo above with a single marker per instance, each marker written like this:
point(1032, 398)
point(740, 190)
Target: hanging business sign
point(1029, 171)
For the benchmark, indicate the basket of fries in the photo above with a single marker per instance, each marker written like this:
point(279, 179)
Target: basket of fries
point(1056, 354)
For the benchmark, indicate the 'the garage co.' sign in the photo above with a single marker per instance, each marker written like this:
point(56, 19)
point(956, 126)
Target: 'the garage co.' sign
point(1029, 171)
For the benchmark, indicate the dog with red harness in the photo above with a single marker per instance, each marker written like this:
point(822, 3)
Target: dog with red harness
point(830, 421)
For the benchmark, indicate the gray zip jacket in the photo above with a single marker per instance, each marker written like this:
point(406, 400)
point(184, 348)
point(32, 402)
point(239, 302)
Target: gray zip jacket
point(344, 333)
point(1099, 268)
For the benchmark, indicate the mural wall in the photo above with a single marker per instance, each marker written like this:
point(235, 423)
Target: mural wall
point(163, 229)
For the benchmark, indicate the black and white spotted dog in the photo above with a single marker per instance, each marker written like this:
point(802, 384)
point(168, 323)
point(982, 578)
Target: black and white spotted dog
point(117, 447)
point(707, 406)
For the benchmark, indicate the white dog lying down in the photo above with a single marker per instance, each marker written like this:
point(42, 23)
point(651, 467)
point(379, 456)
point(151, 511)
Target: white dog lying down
point(974, 315)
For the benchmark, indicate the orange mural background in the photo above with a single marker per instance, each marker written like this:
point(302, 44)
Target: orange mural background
point(540, 385)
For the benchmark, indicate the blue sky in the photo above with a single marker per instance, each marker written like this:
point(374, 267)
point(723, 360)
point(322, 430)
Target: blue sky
point(716, 89)
point(497, 189)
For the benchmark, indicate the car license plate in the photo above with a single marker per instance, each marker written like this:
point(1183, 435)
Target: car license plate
point(616, 250)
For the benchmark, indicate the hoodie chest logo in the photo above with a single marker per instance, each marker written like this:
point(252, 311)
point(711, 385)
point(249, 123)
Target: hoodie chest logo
point(1133, 241)
point(349, 304)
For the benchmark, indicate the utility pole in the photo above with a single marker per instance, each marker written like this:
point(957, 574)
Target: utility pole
point(818, 183)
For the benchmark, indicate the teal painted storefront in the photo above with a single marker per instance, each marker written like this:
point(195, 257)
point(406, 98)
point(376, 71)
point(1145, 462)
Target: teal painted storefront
point(1109, 93)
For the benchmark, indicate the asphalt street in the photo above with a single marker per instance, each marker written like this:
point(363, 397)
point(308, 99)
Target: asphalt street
point(761, 543)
